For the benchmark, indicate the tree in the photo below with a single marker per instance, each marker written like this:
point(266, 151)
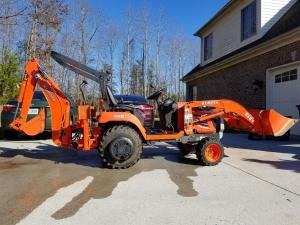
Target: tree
point(11, 12)
point(136, 82)
point(9, 76)
point(145, 29)
point(122, 69)
point(111, 41)
point(46, 20)
point(80, 39)
point(128, 51)
point(160, 28)
point(141, 48)
point(88, 29)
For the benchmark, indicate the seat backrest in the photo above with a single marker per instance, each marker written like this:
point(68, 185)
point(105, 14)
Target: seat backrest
point(110, 97)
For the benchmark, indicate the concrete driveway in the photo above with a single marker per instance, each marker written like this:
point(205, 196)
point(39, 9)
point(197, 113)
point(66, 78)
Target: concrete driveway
point(258, 182)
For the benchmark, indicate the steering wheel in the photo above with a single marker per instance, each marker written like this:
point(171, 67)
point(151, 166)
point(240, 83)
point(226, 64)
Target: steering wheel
point(156, 94)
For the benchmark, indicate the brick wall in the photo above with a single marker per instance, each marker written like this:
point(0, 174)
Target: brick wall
point(237, 82)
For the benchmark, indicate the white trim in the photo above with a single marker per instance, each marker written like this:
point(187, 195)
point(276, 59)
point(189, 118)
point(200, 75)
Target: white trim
point(283, 66)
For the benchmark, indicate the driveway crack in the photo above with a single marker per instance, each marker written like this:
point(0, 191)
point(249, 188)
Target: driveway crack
point(261, 179)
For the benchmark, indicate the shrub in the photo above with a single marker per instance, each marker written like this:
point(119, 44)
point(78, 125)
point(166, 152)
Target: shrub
point(9, 76)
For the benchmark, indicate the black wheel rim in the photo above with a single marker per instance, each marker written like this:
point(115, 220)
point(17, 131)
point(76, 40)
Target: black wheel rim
point(121, 149)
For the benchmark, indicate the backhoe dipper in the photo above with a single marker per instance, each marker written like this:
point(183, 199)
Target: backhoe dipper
point(118, 133)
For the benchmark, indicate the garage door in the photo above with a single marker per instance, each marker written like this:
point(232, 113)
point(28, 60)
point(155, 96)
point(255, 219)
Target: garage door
point(284, 84)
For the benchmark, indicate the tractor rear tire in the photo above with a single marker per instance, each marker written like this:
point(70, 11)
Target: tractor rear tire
point(210, 152)
point(186, 149)
point(120, 147)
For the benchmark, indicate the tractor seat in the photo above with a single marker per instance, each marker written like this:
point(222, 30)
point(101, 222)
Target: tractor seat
point(114, 105)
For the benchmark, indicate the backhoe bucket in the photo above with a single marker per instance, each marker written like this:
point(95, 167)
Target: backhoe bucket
point(32, 127)
point(271, 123)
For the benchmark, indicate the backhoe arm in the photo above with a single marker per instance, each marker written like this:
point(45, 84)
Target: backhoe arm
point(261, 122)
point(58, 102)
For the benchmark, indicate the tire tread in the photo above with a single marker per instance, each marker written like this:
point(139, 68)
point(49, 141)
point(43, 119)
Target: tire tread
point(109, 136)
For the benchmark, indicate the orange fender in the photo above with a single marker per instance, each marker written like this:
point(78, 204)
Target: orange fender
point(126, 117)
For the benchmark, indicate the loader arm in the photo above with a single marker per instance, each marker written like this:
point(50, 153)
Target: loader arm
point(58, 102)
point(237, 117)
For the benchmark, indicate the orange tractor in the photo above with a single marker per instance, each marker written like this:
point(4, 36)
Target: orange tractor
point(118, 132)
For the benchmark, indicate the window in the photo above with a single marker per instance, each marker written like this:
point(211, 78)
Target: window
point(294, 74)
point(131, 99)
point(193, 93)
point(208, 46)
point(286, 76)
point(248, 21)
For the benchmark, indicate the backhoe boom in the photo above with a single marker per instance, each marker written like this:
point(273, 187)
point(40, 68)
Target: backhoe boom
point(58, 102)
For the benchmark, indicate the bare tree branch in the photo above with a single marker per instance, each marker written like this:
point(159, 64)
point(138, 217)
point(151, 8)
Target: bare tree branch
point(8, 24)
point(93, 34)
point(20, 13)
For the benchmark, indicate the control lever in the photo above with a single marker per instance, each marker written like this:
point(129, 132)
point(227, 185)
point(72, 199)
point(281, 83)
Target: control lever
point(84, 83)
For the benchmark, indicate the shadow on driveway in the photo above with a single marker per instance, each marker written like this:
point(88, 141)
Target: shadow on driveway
point(241, 141)
point(55, 154)
point(288, 147)
point(292, 165)
point(71, 166)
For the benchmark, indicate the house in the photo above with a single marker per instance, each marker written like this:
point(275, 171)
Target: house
point(250, 53)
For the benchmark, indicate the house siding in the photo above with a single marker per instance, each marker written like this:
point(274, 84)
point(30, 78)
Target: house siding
point(227, 29)
point(237, 82)
point(227, 32)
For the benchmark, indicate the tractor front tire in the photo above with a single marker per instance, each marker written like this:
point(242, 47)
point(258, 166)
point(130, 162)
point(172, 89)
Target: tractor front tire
point(120, 147)
point(210, 152)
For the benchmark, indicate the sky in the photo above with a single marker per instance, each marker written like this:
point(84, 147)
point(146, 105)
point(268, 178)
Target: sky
point(190, 15)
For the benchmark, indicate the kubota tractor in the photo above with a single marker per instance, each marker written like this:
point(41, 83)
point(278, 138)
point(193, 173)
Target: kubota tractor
point(117, 131)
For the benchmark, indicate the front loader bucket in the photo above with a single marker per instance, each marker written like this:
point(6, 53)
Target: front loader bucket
point(272, 123)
